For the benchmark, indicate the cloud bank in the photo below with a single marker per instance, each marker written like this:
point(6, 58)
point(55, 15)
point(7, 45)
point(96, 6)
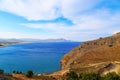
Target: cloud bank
point(90, 17)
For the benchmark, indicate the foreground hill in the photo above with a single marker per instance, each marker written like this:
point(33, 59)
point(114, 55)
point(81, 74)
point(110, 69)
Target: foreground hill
point(101, 55)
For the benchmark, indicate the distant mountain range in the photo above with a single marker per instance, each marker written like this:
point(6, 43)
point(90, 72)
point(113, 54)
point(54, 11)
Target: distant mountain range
point(35, 40)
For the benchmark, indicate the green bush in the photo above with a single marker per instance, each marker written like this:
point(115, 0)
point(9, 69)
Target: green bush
point(72, 76)
point(17, 72)
point(14, 71)
point(111, 76)
point(1, 71)
point(91, 76)
point(29, 73)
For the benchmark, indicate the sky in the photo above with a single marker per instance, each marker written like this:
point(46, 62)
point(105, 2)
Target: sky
point(78, 20)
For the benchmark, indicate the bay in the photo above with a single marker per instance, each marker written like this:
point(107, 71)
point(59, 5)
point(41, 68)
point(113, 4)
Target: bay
point(39, 57)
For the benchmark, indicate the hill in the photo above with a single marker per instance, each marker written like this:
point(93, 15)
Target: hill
point(101, 55)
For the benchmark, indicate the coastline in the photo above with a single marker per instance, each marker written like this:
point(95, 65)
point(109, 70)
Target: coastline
point(4, 44)
point(55, 73)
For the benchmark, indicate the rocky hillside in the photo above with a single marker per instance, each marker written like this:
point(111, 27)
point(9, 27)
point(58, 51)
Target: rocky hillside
point(94, 55)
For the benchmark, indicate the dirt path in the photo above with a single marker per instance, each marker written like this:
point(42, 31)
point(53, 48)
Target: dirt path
point(22, 77)
point(59, 73)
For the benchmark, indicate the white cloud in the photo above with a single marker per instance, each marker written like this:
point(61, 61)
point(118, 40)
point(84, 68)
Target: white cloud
point(88, 20)
point(99, 20)
point(90, 26)
point(47, 9)
point(74, 8)
point(32, 9)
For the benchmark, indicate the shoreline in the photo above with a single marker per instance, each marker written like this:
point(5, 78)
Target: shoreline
point(4, 44)
point(54, 73)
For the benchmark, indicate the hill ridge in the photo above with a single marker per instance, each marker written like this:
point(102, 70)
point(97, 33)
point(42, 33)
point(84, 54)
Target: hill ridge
point(105, 50)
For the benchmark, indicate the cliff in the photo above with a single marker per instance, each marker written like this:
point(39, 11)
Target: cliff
point(94, 55)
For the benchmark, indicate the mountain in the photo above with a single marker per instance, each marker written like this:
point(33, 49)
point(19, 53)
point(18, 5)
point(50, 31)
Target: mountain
point(101, 56)
point(46, 40)
point(11, 40)
point(34, 40)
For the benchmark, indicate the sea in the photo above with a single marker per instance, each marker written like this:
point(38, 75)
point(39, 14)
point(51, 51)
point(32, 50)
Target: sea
point(39, 57)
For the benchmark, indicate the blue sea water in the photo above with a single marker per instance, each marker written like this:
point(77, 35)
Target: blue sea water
point(39, 57)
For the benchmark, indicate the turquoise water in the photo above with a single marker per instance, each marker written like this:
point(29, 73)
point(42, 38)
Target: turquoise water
point(39, 57)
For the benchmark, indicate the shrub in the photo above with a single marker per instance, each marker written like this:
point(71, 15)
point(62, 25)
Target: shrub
point(17, 72)
point(20, 72)
point(1, 71)
point(110, 45)
point(14, 71)
point(89, 76)
point(29, 73)
point(72, 76)
point(111, 76)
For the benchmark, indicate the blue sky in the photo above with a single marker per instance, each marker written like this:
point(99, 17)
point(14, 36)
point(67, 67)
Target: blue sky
point(78, 20)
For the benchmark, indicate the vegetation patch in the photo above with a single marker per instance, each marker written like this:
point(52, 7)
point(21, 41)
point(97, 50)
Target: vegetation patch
point(91, 76)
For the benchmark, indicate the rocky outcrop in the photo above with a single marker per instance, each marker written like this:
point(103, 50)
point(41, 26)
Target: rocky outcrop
point(111, 67)
point(91, 54)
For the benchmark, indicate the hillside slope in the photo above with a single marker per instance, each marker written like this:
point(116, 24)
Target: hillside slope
point(93, 55)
